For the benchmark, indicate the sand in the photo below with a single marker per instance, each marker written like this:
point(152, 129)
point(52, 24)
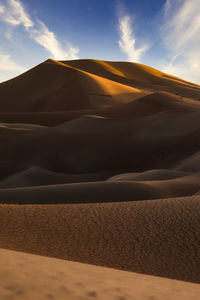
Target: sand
point(100, 164)
point(26, 276)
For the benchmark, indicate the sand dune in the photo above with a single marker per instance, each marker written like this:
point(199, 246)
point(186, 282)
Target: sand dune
point(59, 87)
point(56, 86)
point(100, 164)
point(191, 163)
point(110, 191)
point(26, 276)
point(38, 176)
point(159, 140)
point(149, 175)
point(18, 126)
point(35, 176)
point(140, 107)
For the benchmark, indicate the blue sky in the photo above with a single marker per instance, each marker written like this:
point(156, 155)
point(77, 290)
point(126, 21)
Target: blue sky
point(164, 34)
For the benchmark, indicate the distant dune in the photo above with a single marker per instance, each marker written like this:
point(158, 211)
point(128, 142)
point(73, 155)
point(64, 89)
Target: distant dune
point(100, 164)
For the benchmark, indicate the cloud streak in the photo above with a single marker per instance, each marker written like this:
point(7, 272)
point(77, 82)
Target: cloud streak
point(47, 39)
point(181, 37)
point(127, 42)
point(14, 14)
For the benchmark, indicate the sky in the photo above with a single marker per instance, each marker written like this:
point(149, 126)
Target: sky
point(164, 34)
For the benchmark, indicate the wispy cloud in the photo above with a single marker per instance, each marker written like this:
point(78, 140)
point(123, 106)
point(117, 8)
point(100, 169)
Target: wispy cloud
point(182, 38)
point(127, 40)
point(167, 6)
point(14, 14)
point(46, 38)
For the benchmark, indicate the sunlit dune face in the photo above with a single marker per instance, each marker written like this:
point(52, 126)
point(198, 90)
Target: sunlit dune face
point(110, 68)
point(105, 92)
point(101, 91)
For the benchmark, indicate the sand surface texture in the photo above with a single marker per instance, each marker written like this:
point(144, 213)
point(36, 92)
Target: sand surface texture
point(100, 164)
point(26, 276)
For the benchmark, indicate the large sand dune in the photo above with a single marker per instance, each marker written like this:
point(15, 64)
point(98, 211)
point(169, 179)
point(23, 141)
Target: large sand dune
point(100, 164)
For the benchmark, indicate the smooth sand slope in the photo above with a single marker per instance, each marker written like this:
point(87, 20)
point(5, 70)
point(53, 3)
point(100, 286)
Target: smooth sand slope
point(100, 164)
point(94, 192)
point(26, 276)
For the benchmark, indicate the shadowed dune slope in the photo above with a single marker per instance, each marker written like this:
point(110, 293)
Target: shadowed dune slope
point(158, 237)
point(137, 108)
point(150, 175)
point(42, 88)
point(92, 192)
point(191, 163)
point(26, 276)
point(35, 176)
point(158, 139)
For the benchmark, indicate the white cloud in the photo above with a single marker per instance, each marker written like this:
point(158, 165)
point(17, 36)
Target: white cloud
point(48, 40)
point(127, 40)
point(182, 38)
point(15, 15)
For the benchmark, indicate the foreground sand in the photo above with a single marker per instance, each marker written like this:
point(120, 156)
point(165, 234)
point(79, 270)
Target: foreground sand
point(26, 276)
point(158, 237)
point(100, 164)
